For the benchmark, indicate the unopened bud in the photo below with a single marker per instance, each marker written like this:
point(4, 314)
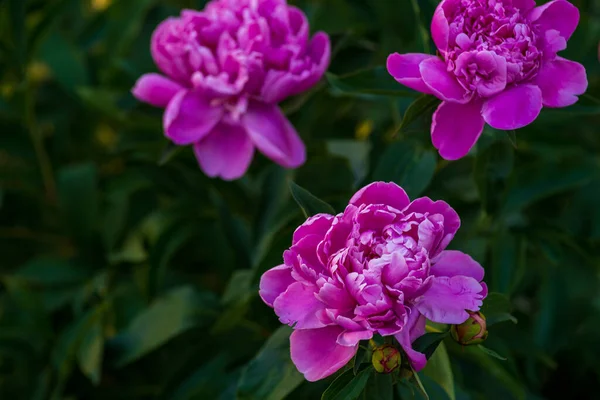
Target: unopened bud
point(386, 358)
point(472, 331)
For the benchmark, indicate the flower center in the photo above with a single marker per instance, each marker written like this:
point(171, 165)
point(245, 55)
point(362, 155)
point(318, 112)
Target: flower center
point(492, 45)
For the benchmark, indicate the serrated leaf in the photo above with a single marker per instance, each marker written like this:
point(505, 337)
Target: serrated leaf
point(310, 204)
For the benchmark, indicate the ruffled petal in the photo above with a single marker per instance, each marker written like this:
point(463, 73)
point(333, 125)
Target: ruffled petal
point(424, 205)
point(558, 14)
point(155, 89)
point(189, 117)
point(318, 225)
point(514, 108)
point(274, 282)
point(405, 69)
point(442, 84)
point(414, 328)
point(316, 353)
point(452, 263)
point(274, 135)
point(353, 338)
point(455, 128)
point(279, 84)
point(387, 193)
point(447, 299)
point(561, 81)
point(440, 29)
point(227, 152)
point(298, 306)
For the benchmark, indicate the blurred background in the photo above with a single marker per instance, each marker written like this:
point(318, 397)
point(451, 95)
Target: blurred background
point(125, 273)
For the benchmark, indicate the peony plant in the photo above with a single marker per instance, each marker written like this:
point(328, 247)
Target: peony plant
point(379, 267)
point(224, 70)
point(497, 63)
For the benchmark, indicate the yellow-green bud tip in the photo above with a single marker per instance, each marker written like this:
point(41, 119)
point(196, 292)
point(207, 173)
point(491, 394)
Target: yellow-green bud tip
point(386, 359)
point(472, 331)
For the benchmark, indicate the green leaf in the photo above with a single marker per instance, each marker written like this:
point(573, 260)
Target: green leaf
point(543, 180)
point(421, 106)
point(65, 60)
point(491, 353)
point(309, 204)
point(415, 380)
point(379, 387)
point(17, 24)
point(496, 308)
point(89, 354)
point(48, 272)
point(429, 342)
point(173, 238)
point(439, 369)
point(167, 317)
point(78, 198)
point(512, 137)
point(103, 101)
point(360, 356)
point(408, 166)
point(419, 174)
point(347, 386)
point(368, 82)
point(271, 375)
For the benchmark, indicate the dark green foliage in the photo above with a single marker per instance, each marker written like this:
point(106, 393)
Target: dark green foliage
point(128, 274)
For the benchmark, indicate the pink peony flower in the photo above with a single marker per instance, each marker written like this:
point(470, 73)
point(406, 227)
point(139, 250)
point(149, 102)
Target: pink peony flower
point(378, 267)
point(497, 65)
point(225, 69)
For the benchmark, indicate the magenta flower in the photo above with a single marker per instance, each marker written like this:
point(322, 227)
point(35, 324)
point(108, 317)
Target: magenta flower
point(225, 69)
point(378, 267)
point(497, 65)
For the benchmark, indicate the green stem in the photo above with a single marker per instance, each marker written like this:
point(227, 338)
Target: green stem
point(38, 143)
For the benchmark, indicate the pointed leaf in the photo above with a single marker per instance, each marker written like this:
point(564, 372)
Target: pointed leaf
point(310, 204)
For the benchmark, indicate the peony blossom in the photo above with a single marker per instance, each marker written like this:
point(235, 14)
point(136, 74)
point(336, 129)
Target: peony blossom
point(497, 64)
point(224, 71)
point(380, 267)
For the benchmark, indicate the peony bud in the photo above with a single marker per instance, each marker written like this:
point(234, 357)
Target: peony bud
point(472, 331)
point(386, 359)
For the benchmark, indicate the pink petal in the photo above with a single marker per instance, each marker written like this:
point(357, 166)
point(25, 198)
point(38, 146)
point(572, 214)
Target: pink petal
point(455, 128)
point(387, 193)
point(298, 306)
point(561, 81)
point(558, 14)
point(274, 282)
point(281, 84)
point(447, 299)
point(452, 263)
point(273, 134)
point(414, 328)
point(318, 224)
point(514, 108)
point(227, 152)
point(524, 5)
point(316, 354)
point(352, 338)
point(189, 117)
point(424, 205)
point(442, 84)
point(155, 89)
point(405, 69)
point(440, 30)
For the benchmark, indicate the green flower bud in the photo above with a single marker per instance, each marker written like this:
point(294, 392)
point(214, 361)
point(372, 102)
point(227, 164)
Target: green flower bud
point(386, 358)
point(472, 331)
